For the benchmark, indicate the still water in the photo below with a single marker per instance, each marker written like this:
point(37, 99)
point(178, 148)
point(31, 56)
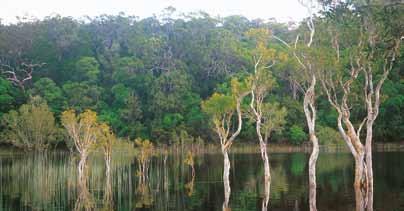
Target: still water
point(50, 182)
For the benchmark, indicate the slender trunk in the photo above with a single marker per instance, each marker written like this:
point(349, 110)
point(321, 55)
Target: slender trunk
point(360, 179)
point(263, 148)
point(107, 158)
point(360, 198)
point(264, 156)
point(108, 200)
point(310, 113)
point(82, 163)
point(312, 173)
point(193, 170)
point(226, 181)
point(267, 191)
point(84, 199)
point(369, 165)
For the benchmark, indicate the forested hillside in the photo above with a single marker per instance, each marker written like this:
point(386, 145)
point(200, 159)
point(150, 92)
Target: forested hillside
point(148, 77)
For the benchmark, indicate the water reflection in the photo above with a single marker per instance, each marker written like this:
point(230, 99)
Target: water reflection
point(108, 202)
point(189, 187)
point(312, 192)
point(84, 200)
point(267, 192)
point(226, 182)
point(51, 182)
point(364, 199)
point(143, 193)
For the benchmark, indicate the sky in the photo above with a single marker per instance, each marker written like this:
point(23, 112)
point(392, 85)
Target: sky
point(282, 10)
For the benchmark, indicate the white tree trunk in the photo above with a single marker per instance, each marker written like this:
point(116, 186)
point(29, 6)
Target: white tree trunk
point(226, 181)
point(310, 113)
point(312, 173)
point(267, 191)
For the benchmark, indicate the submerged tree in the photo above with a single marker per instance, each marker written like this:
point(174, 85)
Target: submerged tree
point(106, 139)
point(85, 200)
point(306, 80)
point(221, 109)
point(108, 194)
point(82, 129)
point(267, 116)
point(143, 157)
point(145, 152)
point(373, 50)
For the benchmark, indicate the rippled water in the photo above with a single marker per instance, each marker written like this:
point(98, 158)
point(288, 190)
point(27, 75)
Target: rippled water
point(49, 182)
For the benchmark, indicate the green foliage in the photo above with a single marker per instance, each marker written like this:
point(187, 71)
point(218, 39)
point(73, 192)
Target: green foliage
point(218, 104)
point(297, 135)
point(81, 96)
point(169, 90)
point(6, 96)
point(298, 163)
point(31, 127)
point(274, 118)
point(147, 78)
point(87, 69)
point(49, 91)
point(83, 130)
point(329, 136)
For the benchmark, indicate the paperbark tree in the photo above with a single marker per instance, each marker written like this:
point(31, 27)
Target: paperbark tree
point(309, 105)
point(373, 44)
point(306, 83)
point(82, 129)
point(106, 139)
point(85, 200)
point(145, 152)
point(339, 92)
point(221, 110)
point(265, 115)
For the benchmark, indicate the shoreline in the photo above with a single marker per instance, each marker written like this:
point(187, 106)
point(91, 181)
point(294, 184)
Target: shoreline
point(239, 148)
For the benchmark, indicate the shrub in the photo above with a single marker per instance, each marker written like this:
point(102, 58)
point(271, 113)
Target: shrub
point(328, 136)
point(297, 135)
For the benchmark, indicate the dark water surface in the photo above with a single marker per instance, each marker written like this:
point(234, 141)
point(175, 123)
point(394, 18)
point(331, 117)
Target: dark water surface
point(49, 182)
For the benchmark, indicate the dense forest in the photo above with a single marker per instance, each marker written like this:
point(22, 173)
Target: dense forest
point(151, 77)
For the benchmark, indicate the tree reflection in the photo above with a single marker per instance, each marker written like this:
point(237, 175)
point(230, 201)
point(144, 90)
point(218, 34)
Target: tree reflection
point(226, 183)
point(144, 196)
point(84, 200)
point(312, 192)
point(108, 199)
point(267, 192)
point(190, 185)
point(363, 198)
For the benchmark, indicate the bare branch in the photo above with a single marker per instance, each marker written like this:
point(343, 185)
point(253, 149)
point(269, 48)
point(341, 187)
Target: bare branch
point(282, 41)
point(358, 132)
point(14, 77)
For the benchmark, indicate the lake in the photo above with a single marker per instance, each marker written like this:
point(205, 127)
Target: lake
point(50, 182)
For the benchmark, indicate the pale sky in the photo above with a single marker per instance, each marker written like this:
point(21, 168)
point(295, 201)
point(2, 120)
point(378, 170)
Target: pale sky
point(282, 10)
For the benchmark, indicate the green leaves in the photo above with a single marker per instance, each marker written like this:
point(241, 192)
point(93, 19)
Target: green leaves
point(218, 104)
point(297, 135)
point(87, 69)
point(33, 126)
